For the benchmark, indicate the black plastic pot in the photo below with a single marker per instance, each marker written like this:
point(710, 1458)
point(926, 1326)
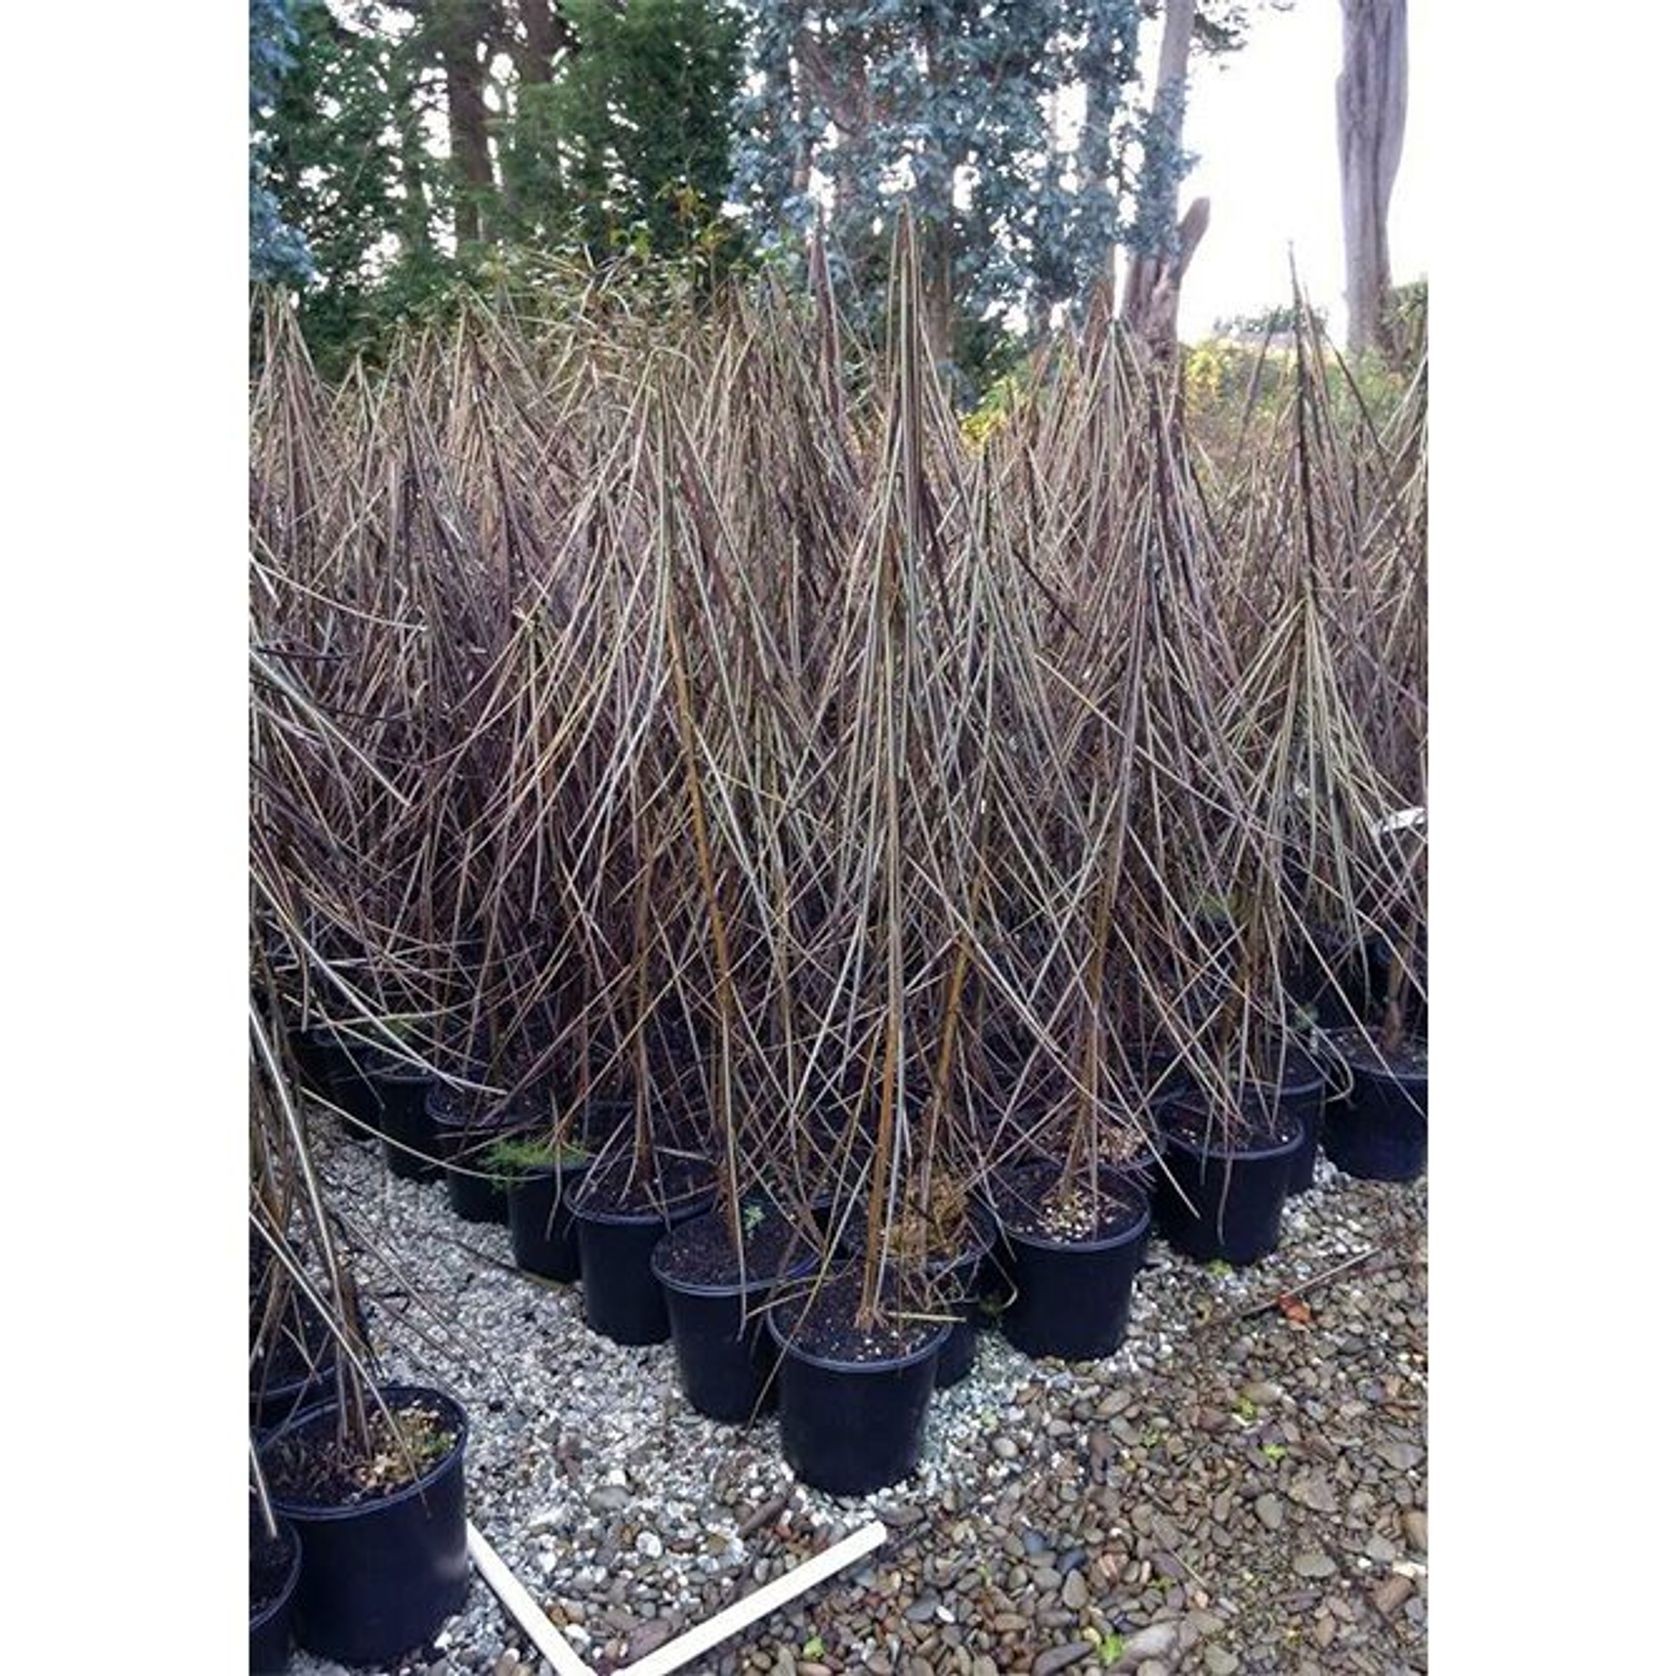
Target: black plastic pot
point(317, 1053)
point(381, 1577)
point(463, 1137)
point(275, 1402)
point(543, 1225)
point(1378, 1132)
point(299, 1369)
point(853, 1427)
point(1072, 1298)
point(961, 1284)
point(337, 1075)
point(410, 1138)
point(723, 1356)
point(1304, 1091)
point(621, 1297)
point(270, 1629)
point(1224, 1203)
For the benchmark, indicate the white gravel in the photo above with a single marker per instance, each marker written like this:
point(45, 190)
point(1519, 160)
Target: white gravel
point(622, 1510)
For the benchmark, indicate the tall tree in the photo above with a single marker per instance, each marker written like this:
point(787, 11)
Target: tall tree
point(278, 251)
point(1162, 247)
point(642, 113)
point(463, 34)
point(1007, 126)
point(529, 140)
point(1372, 111)
point(349, 168)
point(963, 112)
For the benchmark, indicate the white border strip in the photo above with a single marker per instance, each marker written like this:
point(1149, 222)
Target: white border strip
point(521, 1604)
point(769, 1598)
point(684, 1648)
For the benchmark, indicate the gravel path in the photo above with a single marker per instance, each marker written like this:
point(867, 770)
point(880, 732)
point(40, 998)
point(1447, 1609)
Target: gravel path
point(1230, 1492)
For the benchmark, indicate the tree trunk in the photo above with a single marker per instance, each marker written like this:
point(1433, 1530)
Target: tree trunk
point(416, 208)
point(936, 195)
point(1372, 108)
point(546, 33)
point(1152, 287)
point(463, 25)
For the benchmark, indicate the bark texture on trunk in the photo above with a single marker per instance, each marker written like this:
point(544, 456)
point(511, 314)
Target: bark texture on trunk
point(546, 31)
point(1152, 287)
point(463, 26)
point(1372, 110)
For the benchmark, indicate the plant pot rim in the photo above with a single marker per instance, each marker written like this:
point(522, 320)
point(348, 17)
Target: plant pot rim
point(288, 1589)
point(1364, 1064)
point(526, 1173)
point(831, 1364)
point(726, 1288)
point(320, 1513)
point(612, 1217)
point(986, 1225)
point(276, 1390)
point(397, 1071)
point(1137, 1229)
point(1311, 1074)
point(488, 1117)
point(1216, 1149)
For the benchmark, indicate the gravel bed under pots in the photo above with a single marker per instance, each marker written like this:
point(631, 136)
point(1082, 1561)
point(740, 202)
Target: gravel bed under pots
point(1229, 1492)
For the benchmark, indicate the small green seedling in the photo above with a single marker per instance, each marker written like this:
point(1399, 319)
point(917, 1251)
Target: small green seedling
point(1219, 1266)
point(1274, 1451)
point(814, 1648)
point(1246, 1409)
point(752, 1215)
point(1111, 1648)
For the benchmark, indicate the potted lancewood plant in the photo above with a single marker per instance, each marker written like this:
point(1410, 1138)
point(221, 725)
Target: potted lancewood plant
point(372, 1478)
point(859, 1346)
point(276, 1563)
point(643, 1179)
point(1075, 1213)
point(719, 1270)
point(540, 1169)
point(1292, 763)
point(1378, 1130)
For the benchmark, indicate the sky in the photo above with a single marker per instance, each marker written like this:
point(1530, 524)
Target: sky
point(1264, 124)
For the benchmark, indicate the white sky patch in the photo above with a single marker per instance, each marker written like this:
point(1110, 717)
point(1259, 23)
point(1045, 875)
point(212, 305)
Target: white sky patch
point(1264, 123)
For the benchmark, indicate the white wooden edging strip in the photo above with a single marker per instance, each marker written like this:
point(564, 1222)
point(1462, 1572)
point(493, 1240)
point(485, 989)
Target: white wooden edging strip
point(769, 1598)
point(684, 1648)
point(518, 1601)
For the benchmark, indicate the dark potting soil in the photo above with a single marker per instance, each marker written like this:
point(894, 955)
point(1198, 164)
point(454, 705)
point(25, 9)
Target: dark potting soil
point(1261, 1124)
point(614, 1185)
point(701, 1251)
point(270, 1563)
point(317, 1467)
point(1406, 1060)
point(1036, 1200)
point(824, 1323)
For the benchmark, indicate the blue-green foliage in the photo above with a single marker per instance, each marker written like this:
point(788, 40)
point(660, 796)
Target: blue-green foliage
point(946, 104)
point(277, 251)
